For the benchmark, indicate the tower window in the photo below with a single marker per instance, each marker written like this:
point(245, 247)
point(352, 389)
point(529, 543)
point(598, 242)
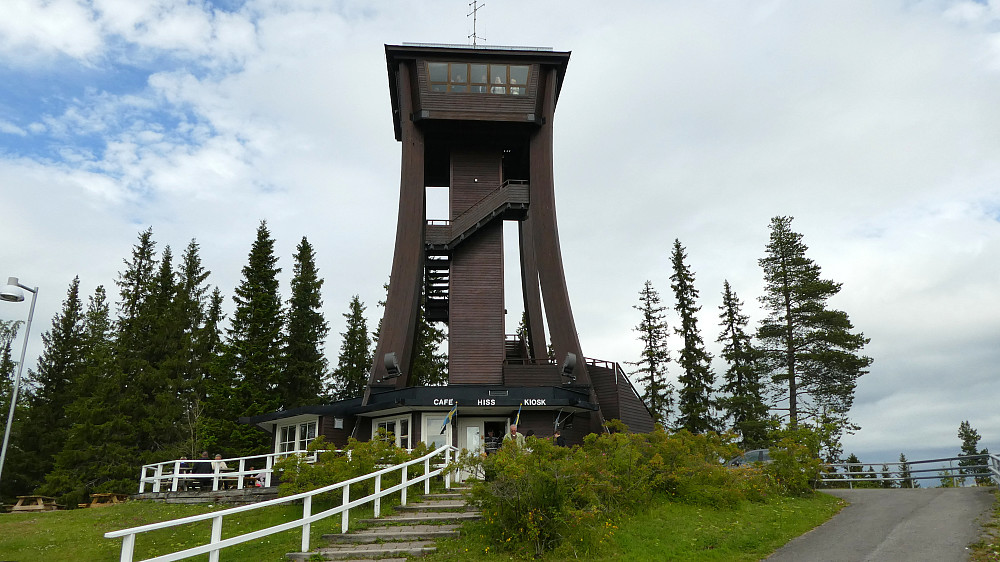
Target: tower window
point(461, 77)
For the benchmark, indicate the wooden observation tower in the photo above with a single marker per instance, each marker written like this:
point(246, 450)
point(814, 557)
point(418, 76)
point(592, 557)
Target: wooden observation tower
point(478, 121)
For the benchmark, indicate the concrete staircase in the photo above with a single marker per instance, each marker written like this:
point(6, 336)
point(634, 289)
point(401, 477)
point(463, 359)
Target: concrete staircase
point(411, 531)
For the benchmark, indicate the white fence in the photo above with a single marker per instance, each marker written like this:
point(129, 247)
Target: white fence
point(183, 474)
point(216, 543)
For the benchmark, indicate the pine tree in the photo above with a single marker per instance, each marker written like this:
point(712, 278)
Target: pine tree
point(355, 360)
point(651, 372)
point(695, 400)
point(8, 331)
point(58, 372)
point(971, 453)
point(253, 348)
point(743, 401)
point(907, 480)
point(430, 365)
point(15, 480)
point(305, 361)
point(813, 357)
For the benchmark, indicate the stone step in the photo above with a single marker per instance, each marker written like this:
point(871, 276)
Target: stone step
point(418, 517)
point(445, 496)
point(372, 550)
point(395, 533)
point(433, 505)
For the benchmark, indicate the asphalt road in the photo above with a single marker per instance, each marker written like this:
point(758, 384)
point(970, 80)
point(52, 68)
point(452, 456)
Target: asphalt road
point(933, 524)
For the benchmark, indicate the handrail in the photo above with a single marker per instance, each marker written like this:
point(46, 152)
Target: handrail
point(156, 475)
point(216, 543)
point(988, 467)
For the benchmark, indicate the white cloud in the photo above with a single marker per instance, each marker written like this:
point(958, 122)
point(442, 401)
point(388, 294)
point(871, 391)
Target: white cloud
point(32, 29)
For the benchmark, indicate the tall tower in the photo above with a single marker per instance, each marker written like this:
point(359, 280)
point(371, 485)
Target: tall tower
point(478, 121)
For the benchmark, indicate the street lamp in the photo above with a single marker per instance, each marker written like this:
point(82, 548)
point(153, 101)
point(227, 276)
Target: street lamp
point(13, 293)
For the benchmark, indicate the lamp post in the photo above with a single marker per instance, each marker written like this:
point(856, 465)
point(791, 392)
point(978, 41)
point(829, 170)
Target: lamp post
point(13, 293)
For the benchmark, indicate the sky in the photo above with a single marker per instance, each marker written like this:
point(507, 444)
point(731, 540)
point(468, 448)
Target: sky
point(874, 123)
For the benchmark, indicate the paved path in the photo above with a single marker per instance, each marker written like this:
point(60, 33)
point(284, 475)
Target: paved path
point(934, 524)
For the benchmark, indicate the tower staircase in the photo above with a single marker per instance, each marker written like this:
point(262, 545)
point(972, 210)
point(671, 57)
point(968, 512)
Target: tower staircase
point(508, 202)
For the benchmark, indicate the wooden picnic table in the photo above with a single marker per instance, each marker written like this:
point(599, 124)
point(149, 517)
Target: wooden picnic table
point(27, 504)
point(102, 500)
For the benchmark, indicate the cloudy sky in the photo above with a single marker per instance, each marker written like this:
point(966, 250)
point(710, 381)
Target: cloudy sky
point(876, 124)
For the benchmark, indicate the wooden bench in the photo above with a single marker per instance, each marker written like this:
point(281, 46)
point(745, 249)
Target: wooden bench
point(102, 500)
point(28, 504)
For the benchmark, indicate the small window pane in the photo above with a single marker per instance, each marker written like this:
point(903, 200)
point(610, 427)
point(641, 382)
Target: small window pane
point(458, 73)
point(439, 88)
point(477, 74)
point(517, 90)
point(498, 74)
point(518, 74)
point(438, 71)
point(459, 89)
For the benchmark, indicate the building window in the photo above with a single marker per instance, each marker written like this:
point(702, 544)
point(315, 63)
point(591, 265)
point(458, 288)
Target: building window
point(296, 437)
point(433, 437)
point(461, 77)
point(396, 428)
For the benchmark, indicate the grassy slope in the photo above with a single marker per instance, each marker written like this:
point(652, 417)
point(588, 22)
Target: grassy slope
point(672, 531)
point(669, 531)
point(79, 534)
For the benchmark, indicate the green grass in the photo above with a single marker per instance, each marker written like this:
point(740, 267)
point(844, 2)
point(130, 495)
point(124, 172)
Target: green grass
point(673, 531)
point(79, 534)
point(987, 549)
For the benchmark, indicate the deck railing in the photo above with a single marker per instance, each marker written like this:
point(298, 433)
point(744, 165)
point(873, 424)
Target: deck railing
point(181, 474)
point(217, 543)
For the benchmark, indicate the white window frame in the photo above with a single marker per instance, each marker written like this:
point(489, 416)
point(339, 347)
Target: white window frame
point(292, 434)
point(430, 427)
point(402, 440)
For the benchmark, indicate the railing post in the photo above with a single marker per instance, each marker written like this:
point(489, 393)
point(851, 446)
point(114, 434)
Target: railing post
point(213, 555)
point(156, 478)
point(269, 465)
point(344, 517)
point(402, 497)
point(378, 495)
point(215, 479)
point(427, 479)
point(239, 474)
point(176, 480)
point(142, 481)
point(447, 474)
point(128, 547)
point(306, 512)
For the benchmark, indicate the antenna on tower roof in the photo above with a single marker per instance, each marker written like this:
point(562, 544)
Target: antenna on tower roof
point(475, 5)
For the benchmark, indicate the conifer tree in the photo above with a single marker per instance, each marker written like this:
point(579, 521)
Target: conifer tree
point(355, 360)
point(970, 451)
point(906, 476)
point(743, 402)
point(253, 355)
point(14, 481)
point(695, 397)
point(651, 372)
point(305, 361)
point(812, 355)
point(430, 365)
point(54, 382)
point(8, 331)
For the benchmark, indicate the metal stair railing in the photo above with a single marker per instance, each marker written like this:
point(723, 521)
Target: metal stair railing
point(509, 193)
point(217, 543)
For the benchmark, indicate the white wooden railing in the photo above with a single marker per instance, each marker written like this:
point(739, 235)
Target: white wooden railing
point(216, 542)
point(179, 474)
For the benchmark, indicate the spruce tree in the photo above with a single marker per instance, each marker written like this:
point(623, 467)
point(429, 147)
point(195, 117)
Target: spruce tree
point(695, 397)
point(743, 401)
point(651, 372)
point(54, 382)
point(430, 365)
point(906, 476)
point(16, 468)
point(355, 359)
point(305, 361)
point(812, 355)
point(8, 331)
point(970, 453)
point(253, 355)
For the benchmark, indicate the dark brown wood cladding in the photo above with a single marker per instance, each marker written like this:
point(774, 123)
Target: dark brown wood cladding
point(531, 375)
point(476, 316)
point(336, 437)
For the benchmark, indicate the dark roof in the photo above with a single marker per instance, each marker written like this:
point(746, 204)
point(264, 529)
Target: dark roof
point(340, 408)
